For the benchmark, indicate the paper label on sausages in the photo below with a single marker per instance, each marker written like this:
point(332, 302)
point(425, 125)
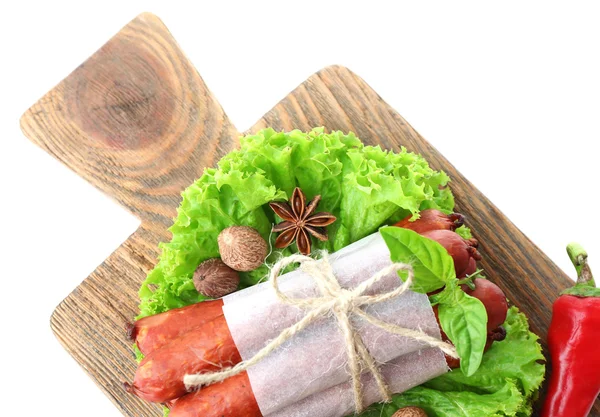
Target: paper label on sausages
point(314, 362)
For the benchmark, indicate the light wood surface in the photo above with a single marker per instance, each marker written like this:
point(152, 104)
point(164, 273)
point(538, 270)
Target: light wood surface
point(138, 122)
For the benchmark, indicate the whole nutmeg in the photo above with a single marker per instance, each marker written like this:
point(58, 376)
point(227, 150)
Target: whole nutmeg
point(242, 248)
point(410, 412)
point(215, 279)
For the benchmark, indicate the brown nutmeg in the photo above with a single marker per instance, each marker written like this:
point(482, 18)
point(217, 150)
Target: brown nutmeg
point(410, 412)
point(215, 279)
point(242, 248)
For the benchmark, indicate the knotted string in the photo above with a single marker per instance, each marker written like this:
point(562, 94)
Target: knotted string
point(341, 303)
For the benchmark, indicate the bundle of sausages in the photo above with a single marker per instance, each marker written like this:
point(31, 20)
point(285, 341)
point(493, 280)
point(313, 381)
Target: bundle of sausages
point(304, 377)
point(208, 336)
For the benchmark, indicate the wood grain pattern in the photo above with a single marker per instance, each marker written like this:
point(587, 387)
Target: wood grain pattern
point(137, 121)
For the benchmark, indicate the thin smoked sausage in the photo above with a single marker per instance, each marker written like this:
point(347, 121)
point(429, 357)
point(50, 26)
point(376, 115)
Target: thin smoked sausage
point(232, 397)
point(159, 377)
point(152, 332)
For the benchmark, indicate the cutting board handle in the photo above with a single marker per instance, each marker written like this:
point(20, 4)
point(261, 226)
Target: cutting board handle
point(136, 120)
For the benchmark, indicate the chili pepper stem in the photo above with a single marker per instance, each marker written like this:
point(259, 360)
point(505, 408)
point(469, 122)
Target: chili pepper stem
point(579, 257)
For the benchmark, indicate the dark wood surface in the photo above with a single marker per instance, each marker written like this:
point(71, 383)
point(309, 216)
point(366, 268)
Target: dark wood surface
point(137, 121)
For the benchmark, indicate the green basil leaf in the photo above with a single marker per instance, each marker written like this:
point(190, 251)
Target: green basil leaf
point(432, 264)
point(464, 320)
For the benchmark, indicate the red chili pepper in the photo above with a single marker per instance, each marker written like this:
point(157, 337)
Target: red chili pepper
point(574, 342)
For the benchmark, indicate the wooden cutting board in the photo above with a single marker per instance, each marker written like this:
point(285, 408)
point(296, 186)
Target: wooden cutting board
point(138, 122)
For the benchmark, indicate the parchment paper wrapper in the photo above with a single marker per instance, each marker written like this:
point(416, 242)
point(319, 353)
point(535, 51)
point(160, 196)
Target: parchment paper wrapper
point(315, 360)
point(401, 374)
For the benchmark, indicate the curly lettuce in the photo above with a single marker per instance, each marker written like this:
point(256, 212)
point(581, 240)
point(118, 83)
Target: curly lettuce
point(364, 186)
point(505, 384)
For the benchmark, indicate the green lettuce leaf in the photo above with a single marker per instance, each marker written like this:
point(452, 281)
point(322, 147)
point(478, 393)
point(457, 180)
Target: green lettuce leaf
point(364, 186)
point(505, 384)
point(518, 358)
point(464, 232)
point(504, 402)
point(139, 356)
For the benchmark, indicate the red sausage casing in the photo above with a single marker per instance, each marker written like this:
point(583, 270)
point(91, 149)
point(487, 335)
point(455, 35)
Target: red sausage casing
point(159, 377)
point(232, 397)
point(152, 332)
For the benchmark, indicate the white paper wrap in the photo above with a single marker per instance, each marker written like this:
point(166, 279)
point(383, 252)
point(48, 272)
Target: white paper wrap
point(309, 371)
point(401, 374)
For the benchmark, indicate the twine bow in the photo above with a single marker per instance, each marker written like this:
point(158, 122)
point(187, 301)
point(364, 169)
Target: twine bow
point(342, 303)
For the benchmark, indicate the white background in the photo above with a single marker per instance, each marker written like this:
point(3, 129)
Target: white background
point(507, 91)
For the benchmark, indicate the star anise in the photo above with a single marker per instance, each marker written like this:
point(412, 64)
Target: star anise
point(299, 221)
